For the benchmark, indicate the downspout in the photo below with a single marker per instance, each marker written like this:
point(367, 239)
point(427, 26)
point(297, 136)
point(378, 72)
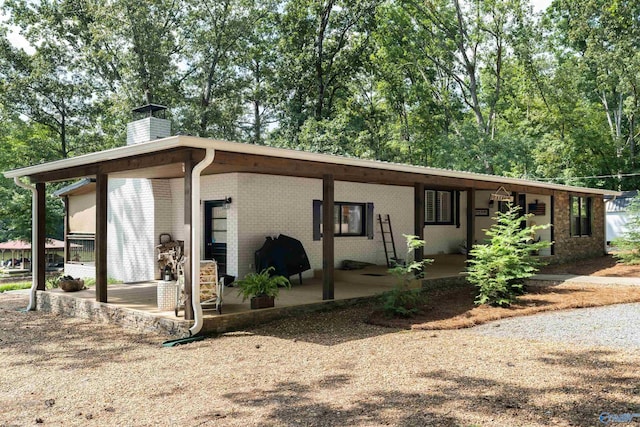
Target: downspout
point(34, 239)
point(195, 240)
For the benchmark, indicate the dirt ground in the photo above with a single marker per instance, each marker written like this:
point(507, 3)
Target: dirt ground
point(322, 369)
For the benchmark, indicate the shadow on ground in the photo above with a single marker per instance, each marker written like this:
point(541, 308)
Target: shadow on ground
point(451, 399)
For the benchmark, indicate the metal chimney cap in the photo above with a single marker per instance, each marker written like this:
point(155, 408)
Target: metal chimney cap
point(149, 108)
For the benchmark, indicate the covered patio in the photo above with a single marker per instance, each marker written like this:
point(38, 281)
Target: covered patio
point(189, 160)
point(135, 305)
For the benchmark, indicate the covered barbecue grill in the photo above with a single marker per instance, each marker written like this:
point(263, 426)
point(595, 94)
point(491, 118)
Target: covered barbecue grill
point(285, 254)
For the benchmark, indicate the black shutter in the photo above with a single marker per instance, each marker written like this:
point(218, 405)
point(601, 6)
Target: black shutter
point(369, 219)
point(317, 207)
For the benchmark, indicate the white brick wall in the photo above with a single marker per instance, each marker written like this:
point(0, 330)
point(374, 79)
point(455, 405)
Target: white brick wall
point(263, 205)
point(272, 205)
point(484, 223)
point(268, 205)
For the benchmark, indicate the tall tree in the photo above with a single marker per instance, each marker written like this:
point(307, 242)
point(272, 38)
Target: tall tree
point(604, 37)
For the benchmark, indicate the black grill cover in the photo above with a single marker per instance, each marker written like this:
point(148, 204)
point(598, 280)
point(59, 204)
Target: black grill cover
point(285, 254)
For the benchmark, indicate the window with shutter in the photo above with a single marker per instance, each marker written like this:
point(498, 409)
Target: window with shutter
point(439, 207)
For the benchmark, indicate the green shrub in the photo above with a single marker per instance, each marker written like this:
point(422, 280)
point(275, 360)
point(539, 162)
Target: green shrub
point(629, 242)
point(403, 301)
point(498, 269)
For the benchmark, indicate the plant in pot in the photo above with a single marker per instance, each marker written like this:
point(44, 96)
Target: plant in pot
point(261, 288)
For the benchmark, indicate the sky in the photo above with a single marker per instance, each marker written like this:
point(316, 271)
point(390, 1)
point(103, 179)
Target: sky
point(540, 5)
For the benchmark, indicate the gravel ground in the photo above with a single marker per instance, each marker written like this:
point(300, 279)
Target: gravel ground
point(610, 326)
point(324, 369)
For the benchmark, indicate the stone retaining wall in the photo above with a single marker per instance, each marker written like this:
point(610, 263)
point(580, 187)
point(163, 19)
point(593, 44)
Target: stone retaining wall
point(110, 313)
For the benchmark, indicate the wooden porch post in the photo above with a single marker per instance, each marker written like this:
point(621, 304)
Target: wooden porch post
point(418, 216)
point(328, 252)
point(102, 188)
point(471, 221)
point(39, 246)
point(188, 200)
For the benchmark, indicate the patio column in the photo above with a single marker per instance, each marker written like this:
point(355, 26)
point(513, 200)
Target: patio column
point(102, 188)
point(188, 201)
point(41, 231)
point(328, 224)
point(471, 222)
point(418, 216)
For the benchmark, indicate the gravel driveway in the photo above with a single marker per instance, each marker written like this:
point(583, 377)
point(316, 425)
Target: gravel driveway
point(610, 326)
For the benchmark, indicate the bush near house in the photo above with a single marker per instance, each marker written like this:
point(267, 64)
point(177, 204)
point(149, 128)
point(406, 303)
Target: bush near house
point(498, 268)
point(403, 301)
point(629, 243)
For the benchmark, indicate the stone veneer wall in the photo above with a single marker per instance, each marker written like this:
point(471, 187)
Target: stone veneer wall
point(59, 303)
point(568, 248)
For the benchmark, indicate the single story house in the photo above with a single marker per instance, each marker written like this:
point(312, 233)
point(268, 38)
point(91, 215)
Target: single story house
point(227, 197)
point(616, 214)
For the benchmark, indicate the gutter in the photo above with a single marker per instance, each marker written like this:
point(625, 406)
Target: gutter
point(34, 239)
point(195, 240)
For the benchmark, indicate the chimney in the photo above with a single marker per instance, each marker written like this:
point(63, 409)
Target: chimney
point(150, 124)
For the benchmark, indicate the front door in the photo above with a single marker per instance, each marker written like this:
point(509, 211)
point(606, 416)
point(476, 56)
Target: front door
point(215, 233)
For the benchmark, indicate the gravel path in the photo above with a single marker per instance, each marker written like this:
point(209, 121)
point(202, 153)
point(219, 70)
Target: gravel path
point(610, 326)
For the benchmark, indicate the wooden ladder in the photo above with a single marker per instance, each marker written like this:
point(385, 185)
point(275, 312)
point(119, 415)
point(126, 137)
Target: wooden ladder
point(387, 240)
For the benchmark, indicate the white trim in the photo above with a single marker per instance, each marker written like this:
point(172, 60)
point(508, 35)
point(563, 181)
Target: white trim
point(182, 141)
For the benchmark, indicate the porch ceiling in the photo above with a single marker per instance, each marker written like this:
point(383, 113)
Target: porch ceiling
point(164, 158)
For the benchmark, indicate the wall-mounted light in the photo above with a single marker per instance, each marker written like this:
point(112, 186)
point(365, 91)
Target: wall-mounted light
point(227, 202)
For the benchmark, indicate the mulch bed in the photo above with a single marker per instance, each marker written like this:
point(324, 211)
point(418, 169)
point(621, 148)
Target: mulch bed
point(454, 308)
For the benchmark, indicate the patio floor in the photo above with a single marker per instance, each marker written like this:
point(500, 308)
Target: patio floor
point(140, 299)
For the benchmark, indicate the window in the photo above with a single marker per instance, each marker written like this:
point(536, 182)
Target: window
point(581, 216)
point(350, 219)
point(438, 207)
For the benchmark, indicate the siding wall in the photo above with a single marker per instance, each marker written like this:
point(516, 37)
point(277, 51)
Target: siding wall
point(131, 230)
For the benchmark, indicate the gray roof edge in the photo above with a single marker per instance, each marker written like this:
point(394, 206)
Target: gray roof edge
point(72, 187)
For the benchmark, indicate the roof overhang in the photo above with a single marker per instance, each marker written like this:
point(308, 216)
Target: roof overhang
point(164, 158)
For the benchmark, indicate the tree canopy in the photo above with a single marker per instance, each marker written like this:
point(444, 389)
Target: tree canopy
point(480, 86)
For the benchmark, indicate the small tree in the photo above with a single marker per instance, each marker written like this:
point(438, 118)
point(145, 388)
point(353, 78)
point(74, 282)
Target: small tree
point(402, 300)
point(629, 242)
point(499, 268)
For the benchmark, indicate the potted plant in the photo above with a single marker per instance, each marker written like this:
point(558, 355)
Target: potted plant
point(262, 288)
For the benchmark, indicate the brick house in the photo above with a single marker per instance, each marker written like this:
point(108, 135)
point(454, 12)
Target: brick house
point(226, 197)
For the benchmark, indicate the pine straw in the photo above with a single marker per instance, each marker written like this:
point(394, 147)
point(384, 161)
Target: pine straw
point(455, 308)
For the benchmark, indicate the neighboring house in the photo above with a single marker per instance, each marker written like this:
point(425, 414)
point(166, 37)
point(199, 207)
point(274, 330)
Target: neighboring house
point(224, 198)
point(616, 214)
